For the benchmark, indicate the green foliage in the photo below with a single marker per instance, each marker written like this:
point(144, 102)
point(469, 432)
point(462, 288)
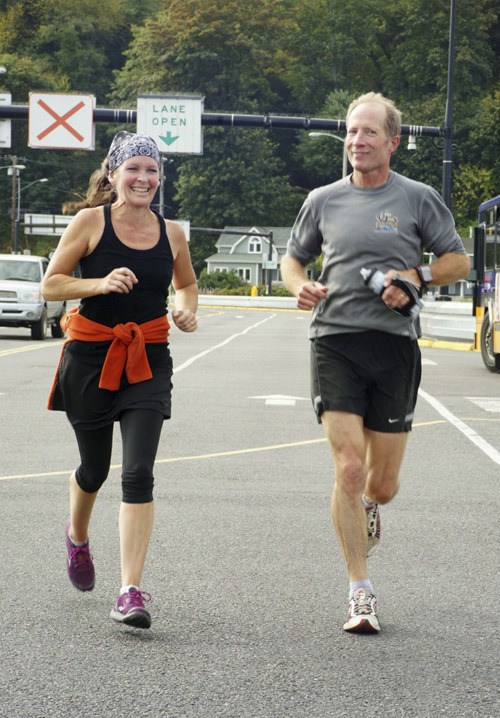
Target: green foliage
point(216, 281)
point(321, 157)
point(484, 138)
point(229, 283)
point(279, 290)
point(238, 181)
point(79, 44)
point(472, 184)
point(222, 50)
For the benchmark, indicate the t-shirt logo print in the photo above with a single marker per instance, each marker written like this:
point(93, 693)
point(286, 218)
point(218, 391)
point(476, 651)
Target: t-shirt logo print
point(386, 222)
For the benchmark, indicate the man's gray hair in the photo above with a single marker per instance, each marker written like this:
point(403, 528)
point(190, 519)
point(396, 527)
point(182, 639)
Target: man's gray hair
point(392, 114)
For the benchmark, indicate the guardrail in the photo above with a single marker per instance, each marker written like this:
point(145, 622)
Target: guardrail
point(438, 320)
point(448, 320)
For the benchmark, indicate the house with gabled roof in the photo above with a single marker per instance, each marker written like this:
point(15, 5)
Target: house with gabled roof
point(250, 255)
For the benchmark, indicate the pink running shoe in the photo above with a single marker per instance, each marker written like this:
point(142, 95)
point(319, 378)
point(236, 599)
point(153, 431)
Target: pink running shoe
point(129, 609)
point(79, 565)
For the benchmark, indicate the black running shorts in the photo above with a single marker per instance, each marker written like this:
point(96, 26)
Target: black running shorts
point(373, 374)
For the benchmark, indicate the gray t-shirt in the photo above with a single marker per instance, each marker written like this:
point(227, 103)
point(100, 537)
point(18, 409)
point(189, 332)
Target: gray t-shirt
point(387, 227)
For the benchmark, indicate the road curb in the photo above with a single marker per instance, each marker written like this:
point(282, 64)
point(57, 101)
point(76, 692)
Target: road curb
point(443, 344)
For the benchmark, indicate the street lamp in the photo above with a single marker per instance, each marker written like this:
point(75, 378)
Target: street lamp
point(412, 143)
point(15, 246)
point(339, 139)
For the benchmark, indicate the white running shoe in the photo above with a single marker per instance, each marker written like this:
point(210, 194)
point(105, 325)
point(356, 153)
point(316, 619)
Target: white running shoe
point(362, 614)
point(373, 523)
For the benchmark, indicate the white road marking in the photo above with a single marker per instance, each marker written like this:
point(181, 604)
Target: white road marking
point(279, 399)
point(192, 360)
point(487, 403)
point(466, 430)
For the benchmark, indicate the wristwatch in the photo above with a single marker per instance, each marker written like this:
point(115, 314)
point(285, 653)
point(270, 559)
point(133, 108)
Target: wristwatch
point(424, 274)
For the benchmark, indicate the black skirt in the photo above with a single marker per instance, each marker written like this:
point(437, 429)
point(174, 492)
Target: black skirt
point(87, 406)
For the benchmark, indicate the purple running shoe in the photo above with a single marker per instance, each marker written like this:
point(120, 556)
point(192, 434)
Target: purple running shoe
point(79, 565)
point(129, 609)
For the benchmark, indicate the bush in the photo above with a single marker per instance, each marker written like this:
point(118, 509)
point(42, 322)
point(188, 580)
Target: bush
point(214, 282)
point(229, 283)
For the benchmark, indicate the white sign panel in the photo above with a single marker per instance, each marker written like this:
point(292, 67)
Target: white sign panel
point(61, 121)
point(5, 126)
point(173, 121)
point(46, 224)
point(270, 263)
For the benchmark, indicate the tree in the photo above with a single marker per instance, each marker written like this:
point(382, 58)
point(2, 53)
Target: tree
point(239, 181)
point(320, 159)
point(80, 44)
point(473, 185)
point(216, 48)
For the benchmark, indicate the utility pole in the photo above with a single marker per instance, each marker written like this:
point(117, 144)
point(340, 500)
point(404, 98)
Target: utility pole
point(13, 210)
point(14, 171)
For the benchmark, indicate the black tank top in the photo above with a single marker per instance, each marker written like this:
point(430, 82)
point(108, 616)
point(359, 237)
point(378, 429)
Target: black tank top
point(152, 267)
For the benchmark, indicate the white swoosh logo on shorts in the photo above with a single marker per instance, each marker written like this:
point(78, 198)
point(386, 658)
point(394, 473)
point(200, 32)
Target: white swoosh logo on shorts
point(392, 421)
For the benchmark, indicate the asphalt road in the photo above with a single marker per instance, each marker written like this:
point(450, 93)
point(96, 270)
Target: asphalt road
point(249, 590)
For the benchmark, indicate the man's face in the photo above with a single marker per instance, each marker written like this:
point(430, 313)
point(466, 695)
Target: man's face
point(368, 147)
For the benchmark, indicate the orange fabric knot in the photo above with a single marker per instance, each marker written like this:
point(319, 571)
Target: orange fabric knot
point(127, 352)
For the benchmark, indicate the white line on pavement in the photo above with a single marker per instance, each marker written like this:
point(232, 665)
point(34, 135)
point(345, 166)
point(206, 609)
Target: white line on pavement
point(188, 362)
point(466, 430)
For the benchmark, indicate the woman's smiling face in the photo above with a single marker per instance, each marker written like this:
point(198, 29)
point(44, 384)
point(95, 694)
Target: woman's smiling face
point(136, 180)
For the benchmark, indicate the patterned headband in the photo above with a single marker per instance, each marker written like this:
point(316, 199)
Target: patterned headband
point(127, 144)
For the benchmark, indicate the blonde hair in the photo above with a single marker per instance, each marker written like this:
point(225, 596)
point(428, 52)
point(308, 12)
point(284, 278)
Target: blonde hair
point(100, 191)
point(392, 124)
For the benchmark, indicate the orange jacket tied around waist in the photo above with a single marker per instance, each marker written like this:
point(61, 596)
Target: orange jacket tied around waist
point(127, 352)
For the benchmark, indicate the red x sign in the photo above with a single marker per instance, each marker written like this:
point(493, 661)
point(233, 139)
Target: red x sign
point(61, 121)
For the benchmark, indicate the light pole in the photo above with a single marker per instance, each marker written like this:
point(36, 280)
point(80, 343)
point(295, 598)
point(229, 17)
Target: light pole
point(448, 119)
point(339, 139)
point(5, 125)
point(20, 189)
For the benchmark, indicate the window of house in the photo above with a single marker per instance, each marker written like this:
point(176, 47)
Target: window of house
point(244, 273)
point(254, 245)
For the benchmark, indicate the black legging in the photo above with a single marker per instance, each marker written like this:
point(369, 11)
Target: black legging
point(140, 430)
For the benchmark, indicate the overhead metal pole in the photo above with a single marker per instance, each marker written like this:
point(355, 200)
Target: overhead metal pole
point(448, 119)
point(228, 119)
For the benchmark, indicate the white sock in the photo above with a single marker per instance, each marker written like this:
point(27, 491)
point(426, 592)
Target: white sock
point(126, 589)
point(354, 585)
point(79, 543)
